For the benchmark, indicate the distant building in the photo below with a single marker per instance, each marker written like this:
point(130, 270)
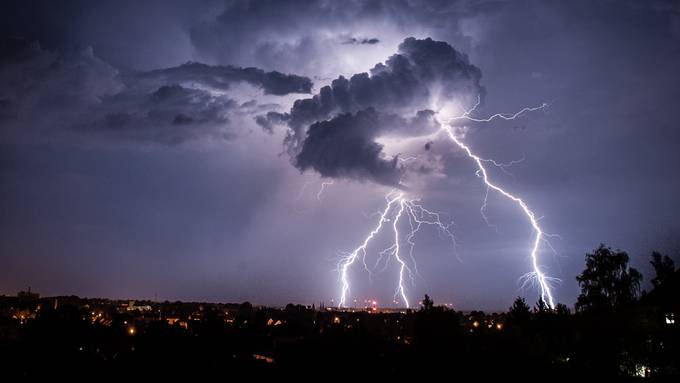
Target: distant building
point(132, 307)
point(28, 295)
point(663, 302)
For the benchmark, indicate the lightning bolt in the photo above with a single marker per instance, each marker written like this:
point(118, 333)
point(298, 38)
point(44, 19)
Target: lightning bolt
point(402, 265)
point(541, 278)
point(323, 187)
point(399, 206)
point(503, 116)
point(397, 209)
point(360, 252)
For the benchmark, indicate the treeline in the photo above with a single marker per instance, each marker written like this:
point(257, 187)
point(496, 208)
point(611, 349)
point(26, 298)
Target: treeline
point(616, 331)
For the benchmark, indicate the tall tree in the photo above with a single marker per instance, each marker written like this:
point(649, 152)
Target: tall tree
point(562, 310)
point(520, 312)
point(428, 303)
point(541, 307)
point(607, 282)
point(664, 267)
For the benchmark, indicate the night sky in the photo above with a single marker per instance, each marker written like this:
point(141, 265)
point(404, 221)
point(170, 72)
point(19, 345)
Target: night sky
point(175, 149)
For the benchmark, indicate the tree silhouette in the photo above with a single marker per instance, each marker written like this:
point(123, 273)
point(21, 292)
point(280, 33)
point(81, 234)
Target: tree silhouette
point(607, 282)
point(562, 309)
point(541, 307)
point(520, 312)
point(428, 303)
point(664, 267)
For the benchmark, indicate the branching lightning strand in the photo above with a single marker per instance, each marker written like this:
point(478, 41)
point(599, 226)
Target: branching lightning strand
point(397, 206)
point(542, 279)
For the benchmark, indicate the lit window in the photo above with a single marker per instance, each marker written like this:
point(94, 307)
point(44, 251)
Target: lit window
point(642, 371)
point(670, 318)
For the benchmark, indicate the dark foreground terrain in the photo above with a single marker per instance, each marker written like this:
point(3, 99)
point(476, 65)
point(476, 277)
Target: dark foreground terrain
point(611, 334)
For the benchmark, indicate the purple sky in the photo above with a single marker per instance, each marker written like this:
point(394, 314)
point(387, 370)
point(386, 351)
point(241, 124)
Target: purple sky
point(126, 172)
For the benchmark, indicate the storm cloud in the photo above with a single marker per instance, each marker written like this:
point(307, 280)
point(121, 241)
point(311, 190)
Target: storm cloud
point(80, 92)
point(221, 77)
point(423, 75)
point(172, 114)
point(345, 147)
point(59, 85)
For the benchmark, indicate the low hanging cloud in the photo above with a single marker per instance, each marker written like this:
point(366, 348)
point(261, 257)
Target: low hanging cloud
point(79, 92)
point(335, 131)
point(345, 146)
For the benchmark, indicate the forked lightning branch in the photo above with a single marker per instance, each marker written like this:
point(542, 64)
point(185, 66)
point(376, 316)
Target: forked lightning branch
point(401, 211)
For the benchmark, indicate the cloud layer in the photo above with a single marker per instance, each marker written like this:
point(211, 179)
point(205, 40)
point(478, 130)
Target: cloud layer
point(79, 92)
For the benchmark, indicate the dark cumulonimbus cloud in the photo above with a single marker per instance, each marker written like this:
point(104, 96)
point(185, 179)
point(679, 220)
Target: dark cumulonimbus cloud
point(334, 132)
point(345, 146)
